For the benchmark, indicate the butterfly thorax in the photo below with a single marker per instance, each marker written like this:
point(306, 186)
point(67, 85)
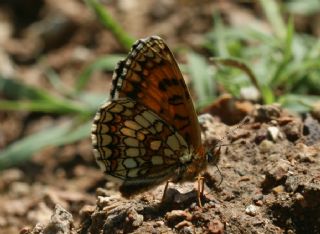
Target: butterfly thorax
point(192, 163)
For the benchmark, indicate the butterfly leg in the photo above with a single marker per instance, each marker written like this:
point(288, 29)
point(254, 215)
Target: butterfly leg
point(165, 190)
point(200, 191)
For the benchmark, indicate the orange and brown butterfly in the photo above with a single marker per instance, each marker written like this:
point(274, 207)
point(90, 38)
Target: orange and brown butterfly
point(148, 132)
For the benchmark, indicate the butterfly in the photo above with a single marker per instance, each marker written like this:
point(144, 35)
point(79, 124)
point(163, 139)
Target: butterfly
point(148, 132)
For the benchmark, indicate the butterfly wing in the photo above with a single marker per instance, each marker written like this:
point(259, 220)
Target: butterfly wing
point(151, 76)
point(134, 145)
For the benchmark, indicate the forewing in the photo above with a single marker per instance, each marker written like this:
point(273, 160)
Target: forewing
point(151, 76)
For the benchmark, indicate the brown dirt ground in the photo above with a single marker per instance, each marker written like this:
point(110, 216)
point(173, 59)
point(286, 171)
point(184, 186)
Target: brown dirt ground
point(270, 166)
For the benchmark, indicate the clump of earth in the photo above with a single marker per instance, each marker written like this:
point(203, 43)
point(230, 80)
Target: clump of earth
point(267, 181)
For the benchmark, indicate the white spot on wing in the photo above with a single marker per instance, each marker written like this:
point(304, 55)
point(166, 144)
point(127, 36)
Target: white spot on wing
point(130, 141)
point(159, 126)
point(97, 116)
point(133, 172)
point(107, 152)
point(157, 160)
point(142, 121)
point(93, 127)
point(94, 139)
point(132, 152)
point(130, 163)
point(155, 145)
point(132, 124)
point(117, 108)
point(168, 152)
point(128, 103)
point(173, 142)
point(149, 116)
point(105, 140)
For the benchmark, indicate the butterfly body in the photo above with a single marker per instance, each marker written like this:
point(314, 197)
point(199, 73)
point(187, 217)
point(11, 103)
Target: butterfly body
point(148, 132)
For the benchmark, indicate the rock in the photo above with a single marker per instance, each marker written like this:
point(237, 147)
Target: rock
point(134, 218)
point(215, 227)
point(267, 112)
point(258, 199)
point(183, 224)
point(274, 133)
point(176, 216)
point(265, 146)
point(279, 189)
point(293, 130)
point(61, 222)
point(307, 153)
point(279, 170)
point(86, 211)
point(276, 174)
point(251, 210)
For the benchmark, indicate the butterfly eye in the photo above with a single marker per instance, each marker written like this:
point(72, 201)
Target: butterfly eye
point(213, 155)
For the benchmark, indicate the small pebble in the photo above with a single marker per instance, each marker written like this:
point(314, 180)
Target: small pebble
point(273, 132)
point(259, 203)
point(158, 223)
point(251, 210)
point(175, 216)
point(299, 197)
point(279, 189)
point(258, 197)
point(86, 211)
point(182, 224)
point(265, 146)
point(280, 170)
point(135, 219)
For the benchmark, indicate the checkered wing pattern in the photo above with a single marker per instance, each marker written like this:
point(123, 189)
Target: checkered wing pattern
point(149, 131)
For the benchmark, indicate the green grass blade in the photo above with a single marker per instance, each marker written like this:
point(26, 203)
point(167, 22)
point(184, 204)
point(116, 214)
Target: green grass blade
point(289, 40)
point(105, 18)
point(307, 7)
point(57, 83)
point(30, 98)
point(297, 102)
point(22, 150)
point(15, 89)
point(202, 77)
point(267, 94)
point(66, 107)
point(219, 34)
point(236, 63)
point(273, 14)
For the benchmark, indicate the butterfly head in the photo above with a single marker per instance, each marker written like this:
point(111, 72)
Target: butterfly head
point(213, 155)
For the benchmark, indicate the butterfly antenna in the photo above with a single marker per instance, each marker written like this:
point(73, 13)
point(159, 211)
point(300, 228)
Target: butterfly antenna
point(220, 173)
point(216, 153)
point(244, 121)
